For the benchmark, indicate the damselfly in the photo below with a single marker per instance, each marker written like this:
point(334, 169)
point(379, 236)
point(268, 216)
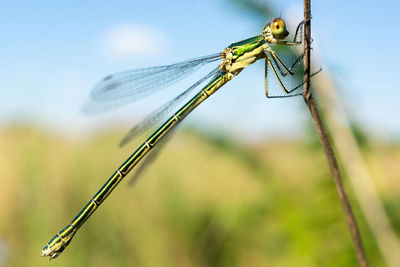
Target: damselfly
point(131, 85)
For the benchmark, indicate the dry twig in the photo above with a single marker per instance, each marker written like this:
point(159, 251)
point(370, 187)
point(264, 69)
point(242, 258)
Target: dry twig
point(308, 98)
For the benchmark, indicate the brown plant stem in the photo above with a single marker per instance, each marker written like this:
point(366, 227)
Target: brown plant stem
point(308, 98)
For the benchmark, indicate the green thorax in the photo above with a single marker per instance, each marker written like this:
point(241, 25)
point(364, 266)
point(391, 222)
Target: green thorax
point(245, 46)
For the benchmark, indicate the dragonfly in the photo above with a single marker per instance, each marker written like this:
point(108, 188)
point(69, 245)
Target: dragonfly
point(131, 85)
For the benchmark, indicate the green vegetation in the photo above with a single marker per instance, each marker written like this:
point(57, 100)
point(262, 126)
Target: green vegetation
point(205, 201)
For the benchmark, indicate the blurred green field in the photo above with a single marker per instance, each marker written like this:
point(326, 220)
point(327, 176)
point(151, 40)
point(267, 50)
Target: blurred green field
point(205, 201)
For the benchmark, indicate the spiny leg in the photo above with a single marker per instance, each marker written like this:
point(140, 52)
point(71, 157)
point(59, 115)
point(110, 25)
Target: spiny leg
point(299, 29)
point(283, 87)
point(289, 70)
point(288, 92)
point(272, 57)
point(301, 84)
point(277, 77)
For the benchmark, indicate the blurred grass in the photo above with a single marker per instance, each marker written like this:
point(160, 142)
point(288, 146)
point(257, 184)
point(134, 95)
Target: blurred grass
point(205, 201)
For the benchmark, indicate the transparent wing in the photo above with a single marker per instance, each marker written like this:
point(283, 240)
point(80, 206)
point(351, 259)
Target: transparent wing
point(165, 110)
point(155, 117)
point(135, 84)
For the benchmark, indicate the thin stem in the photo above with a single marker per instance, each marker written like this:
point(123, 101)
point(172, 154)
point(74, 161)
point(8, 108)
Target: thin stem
point(308, 98)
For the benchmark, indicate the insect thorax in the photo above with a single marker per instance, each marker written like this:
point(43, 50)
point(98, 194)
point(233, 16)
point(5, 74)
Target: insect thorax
point(268, 36)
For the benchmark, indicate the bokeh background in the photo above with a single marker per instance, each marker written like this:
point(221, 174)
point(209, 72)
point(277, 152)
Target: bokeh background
point(244, 181)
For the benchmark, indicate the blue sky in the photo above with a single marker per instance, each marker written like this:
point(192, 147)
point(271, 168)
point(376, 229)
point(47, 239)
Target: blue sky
point(52, 54)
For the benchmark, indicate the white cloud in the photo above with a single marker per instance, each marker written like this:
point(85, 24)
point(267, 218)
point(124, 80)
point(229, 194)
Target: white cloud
point(133, 40)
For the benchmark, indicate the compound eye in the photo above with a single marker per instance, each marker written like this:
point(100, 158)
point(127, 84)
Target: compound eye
point(278, 28)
